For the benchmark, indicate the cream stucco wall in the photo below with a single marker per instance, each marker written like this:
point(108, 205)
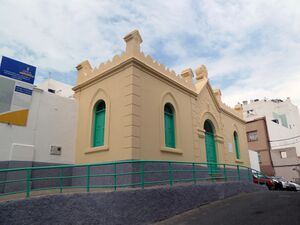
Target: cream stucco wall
point(135, 90)
point(116, 92)
point(230, 125)
point(206, 108)
point(155, 93)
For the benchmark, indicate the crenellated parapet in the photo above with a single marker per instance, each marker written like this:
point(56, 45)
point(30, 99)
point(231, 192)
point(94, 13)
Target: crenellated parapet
point(165, 71)
point(235, 111)
point(86, 72)
point(133, 41)
point(218, 96)
point(187, 79)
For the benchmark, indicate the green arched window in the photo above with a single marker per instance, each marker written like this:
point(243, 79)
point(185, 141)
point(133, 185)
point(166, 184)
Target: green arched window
point(99, 124)
point(236, 145)
point(169, 116)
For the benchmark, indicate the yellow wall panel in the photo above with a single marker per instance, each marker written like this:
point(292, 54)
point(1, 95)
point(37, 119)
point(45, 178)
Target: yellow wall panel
point(17, 117)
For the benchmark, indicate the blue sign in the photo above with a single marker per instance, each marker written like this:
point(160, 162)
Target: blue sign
point(23, 90)
point(17, 70)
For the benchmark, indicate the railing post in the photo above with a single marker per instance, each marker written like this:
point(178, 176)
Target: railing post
point(238, 172)
point(60, 180)
point(249, 175)
point(225, 172)
point(88, 171)
point(194, 174)
point(170, 174)
point(211, 172)
point(142, 174)
point(115, 176)
point(28, 173)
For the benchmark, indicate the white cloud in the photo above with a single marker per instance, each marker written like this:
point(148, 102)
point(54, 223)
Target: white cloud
point(257, 41)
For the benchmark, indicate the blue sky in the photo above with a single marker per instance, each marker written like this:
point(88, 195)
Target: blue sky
point(250, 48)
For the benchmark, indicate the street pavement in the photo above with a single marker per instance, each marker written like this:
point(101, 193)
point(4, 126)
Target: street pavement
point(260, 208)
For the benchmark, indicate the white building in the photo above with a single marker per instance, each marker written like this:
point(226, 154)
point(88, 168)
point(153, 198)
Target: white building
point(56, 87)
point(283, 123)
point(254, 160)
point(49, 136)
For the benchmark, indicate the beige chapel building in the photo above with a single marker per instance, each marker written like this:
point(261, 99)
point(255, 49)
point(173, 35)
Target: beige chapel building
point(134, 108)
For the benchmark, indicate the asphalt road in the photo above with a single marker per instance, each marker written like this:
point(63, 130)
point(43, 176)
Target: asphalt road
point(260, 208)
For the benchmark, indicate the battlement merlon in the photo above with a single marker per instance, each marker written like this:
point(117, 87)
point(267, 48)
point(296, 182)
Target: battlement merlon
point(218, 94)
point(83, 69)
point(187, 75)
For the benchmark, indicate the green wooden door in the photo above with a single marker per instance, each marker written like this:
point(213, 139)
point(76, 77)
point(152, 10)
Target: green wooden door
point(99, 125)
point(169, 130)
point(210, 146)
point(236, 144)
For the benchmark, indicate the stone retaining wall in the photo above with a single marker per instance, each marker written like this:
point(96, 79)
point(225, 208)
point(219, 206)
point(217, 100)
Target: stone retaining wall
point(133, 207)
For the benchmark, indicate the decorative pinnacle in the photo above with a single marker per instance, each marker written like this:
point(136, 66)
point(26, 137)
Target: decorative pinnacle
point(133, 41)
point(201, 72)
point(187, 74)
point(84, 66)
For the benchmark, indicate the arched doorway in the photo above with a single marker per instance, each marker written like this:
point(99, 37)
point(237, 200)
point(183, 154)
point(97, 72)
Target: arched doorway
point(210, 145)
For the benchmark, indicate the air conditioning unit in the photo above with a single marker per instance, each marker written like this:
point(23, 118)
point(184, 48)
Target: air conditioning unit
point(55, 150)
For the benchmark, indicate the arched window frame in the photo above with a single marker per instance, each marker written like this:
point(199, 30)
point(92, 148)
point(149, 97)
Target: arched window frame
point(97, 114)
point(211, 126)
point(168, 97)
point(236, 145)
point(169, 125)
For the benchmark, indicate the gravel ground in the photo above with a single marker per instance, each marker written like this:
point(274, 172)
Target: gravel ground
point(131, 207)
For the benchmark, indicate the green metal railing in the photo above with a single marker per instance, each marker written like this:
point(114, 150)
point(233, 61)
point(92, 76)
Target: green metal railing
point(140, 174)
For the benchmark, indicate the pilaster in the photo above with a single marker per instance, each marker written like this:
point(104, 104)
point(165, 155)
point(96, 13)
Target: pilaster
point(131, 114)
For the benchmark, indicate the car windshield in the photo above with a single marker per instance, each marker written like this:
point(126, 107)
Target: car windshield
point(280, 179)
point(258, 175)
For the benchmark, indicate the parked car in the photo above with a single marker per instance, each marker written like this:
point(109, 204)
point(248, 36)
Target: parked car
point(294, 186)
point(261, 179)
point(282, 184)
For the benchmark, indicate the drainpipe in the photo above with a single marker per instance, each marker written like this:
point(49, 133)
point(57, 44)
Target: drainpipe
point(269, 145)
point(297, 170)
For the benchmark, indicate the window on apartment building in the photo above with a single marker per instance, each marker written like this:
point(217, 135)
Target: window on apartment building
point(252, 136)
point(51, 90)
point(169, 117)
point(283, 155)
point(280, 119)
point(250, 112)
point(99, 124)
point(284, 120)
point(236, 145)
